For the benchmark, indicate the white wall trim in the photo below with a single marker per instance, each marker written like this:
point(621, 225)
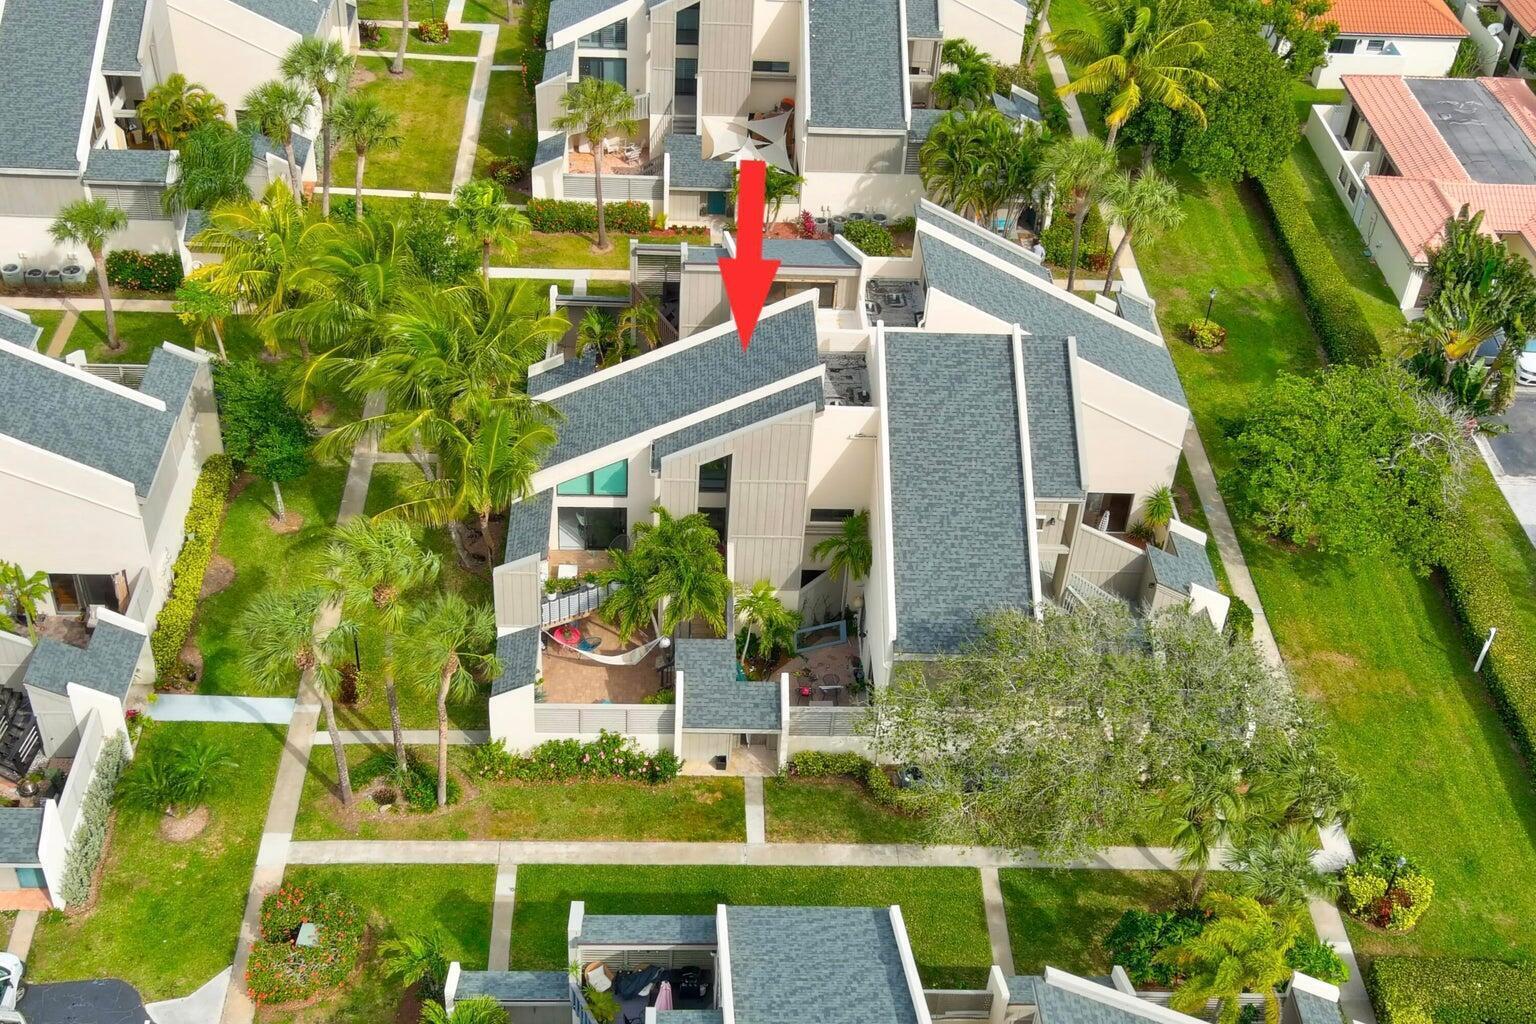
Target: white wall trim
point(1026, 458)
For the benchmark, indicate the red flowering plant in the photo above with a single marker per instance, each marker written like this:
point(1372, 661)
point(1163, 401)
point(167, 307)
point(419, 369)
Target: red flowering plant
point(281, 970)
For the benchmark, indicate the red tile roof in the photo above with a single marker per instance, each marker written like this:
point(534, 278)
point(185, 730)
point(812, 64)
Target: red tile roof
point(1517, 100)
point(1398, 18)
point(1405, 131)
point(1417, 210)
point(1524, 12)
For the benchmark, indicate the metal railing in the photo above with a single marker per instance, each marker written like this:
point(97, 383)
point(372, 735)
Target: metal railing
point(129, 375)
point(573, 604)
point(825, 721)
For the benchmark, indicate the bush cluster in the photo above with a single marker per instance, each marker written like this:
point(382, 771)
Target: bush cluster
point(280, 971)
point(1318, 960)
point(199, 529)
point(818, 764)
point(433, 30)
point(610, 756)
point(1436, 990)
point(1386, 889)
point(1140, 935)
point(1206, 335)
point(417, 781)
point(506, 172)
point(550, 215)
point(90, 838)
point(1239, 619)
point(369, 34)
point(1331, 304)
point(870, 238)
point(1092, 253)
point(144, 271)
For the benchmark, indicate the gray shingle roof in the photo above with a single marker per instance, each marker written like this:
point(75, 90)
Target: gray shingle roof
point(121, 55)
point(301, 16)
point(565, 13)
point(134, 166)
point(1017, 105)
point(565, 373)
point(923, 19)
point(549, 149)
point(1059, 1006)
point(261, 147)
point(1183, 564)
point(16, 326)
point(713, 698)
point(516, 986)
point(957, 486)
point(691, 171)
point(817, 253)
point(1051, 312)
point(528, 526)
point(682, 381)
point(106, 663)
point(923, 120)
point(857, 56)
point(1314, 1009)
point(809, 393)
point(856, 978)
point(989, 242)
point(1053, 446)
point(518, 653)
point(559, 61)
point(55, 410)
point(20, 830)
point(47, 48)
point(197, 220)
point(643, 929)
point(690, 1017)
point(1139, 311)
point(1021, 989)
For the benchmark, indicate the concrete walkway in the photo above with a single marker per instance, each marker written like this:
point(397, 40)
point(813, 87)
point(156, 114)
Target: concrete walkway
point(22, 930)
point(756, 823)
point(412, 737)
point(563, 273)
point(200, 1007)
point(452, 58)
point(196, 707)
point(403, 193)
point(474, 113)
point(502, 905)
point(997, 919)
point(62, 332)
point(82, 303)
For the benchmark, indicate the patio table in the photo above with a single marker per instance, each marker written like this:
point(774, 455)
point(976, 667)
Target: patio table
point(568, 635)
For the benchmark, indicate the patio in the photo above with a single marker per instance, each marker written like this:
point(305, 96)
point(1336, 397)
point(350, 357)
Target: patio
point(619, 158)
point(570, 678)
point(830, 673)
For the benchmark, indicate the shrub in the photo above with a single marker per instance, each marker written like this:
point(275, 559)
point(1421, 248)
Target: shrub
point(417, 781)
point(1433, 990)
point(1092, 253)
point(1206, 335)
point(1140, 935)
point(1318, 960)
point(144, 271)
point(1052, 110)
point(1467, 61)
point(871, 238)
point(610, 756)
point(491, 760)
point(433, 30)
point(90, 838)
point(551, 215)
point(903, 225)
point(817, 764)
point(369, 34)
point(1386, 889)
point(199, 529)
point(506, 172)
point(807, 224)
point(279, 971)
point(1330, 302)
point(1489, 15)
point(1239, 619)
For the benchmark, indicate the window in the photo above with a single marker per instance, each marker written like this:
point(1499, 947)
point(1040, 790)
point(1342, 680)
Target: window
point(826, 291)
point(31, 878)
point(688, 26)
point(1375, 45)
point(715, 477)
point(1108, 512)
point(610, 37)
point(591, 529)
point(609, 69)
point(686, 78)
point(1342, 45)
point(611, 481)
point(830, 515)
point(770, 67)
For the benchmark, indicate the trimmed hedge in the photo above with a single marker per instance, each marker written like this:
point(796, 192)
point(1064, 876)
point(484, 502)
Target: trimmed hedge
point(817, 764)
point(551, 215)
point(870, 238)
point(144, 271)
point(1331, 306)
point(1433, 990)
point(200, 528)
point(90, 839)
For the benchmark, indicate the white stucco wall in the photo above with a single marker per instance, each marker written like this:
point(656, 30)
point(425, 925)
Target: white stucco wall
point(1416, 56)
point(26, 240)
point(996, 27)
point(843, 453)
point(1131, 438)
point(1403, 276)
point(894, 195)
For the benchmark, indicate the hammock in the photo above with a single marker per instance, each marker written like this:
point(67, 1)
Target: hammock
point(633, 657)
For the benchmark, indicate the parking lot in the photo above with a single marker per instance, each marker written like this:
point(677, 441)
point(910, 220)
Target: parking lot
point(1515, 452)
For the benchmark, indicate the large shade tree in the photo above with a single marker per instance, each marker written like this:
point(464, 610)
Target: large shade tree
point(92, 223)
point(598, 109)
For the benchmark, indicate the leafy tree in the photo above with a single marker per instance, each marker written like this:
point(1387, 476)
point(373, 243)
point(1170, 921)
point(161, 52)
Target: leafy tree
point(171, 110)
point(283, 647)
point(262, 432)
point(967, 79)
point(1137, 50)
point(1276, 868)
point(978, 162)
point(452, 642)
point(478, 210)
point(848, 552)
point(443, 253)
point(324, 67)
point(178, 779)
point(1242, 950)
point(211, 168)
point(778, 185)
point(20, 592)
point(598, 109)
point(373, 567)
point(1299, 31)
point(760, 611)
point(274, 108)
point(365, 124)
point(1145, 205)
point(1079, 169)
point(202, 308)
point(92, 223)
point(479, 1010)
point(419, 959)
point(1356, 459)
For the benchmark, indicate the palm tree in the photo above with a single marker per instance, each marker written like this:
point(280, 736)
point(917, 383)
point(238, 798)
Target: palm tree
point(1242, 950)
point(682, 555)
point(599, 109)
point(1037, 33)
point(631, 603)
point(325, 67)
point(1135, 50)
point(274, 108)
point(1147, 204)
point(478, 210)
point(605, 337)
point(1078, 168)
point(760, 609)
point(365, 124)
point(372, 567)
point(451, 642)
point(848, 551)
point(91, 222)
point(201, 307)
point(397, 66)
point(1203, 811)
point(977, 162)
point(643, 323)
point(778, 185)
point(178, 779)
point(479, 1010)
point(282, 646)
point(171, 110)
point(20, 592)
point(418, 958)
point(968, 81)
point(1276, 868)
point(1457, 322)
point(211, 166)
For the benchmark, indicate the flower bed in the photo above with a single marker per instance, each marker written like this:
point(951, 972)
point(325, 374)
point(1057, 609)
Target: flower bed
point(282, 971)
point(1385, 889)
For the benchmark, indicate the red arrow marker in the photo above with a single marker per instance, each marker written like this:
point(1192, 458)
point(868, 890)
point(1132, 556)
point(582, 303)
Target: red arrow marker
point(747, 275)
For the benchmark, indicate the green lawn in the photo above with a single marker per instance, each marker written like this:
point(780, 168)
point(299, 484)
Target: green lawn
point(461, 42)
point(510, 41)
point(429, 99)
point(399, 900)
point(168, 913)
point(573, 251)
point(1058, 918)
point(688, 809)
point(48, 320)
point(141, 333)
point(942, 906)
point(506, 127)
point(833, 811)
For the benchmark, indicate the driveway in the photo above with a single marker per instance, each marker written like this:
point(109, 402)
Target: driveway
point(83, 1002)
point(1514, 458)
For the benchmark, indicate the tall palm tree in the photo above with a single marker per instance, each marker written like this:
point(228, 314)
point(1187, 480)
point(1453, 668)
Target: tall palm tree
point(602, 334)
point(1136, 50)
point(1276, 867)
point(324, 67)
point(20, 592)
point(1203, 810)
point(212, 163)
point(373, 567)
point(978, 162)
point(1147, 204)
point(274, 108)
point(1242, 950)
point(418, 958)
point(204, 309)
point(92, 223)
point(682, 554)
point(365, 124)
point(479, 211)
point(172, 109)
point(452, 642)
point(967, 81)
point(760, 610)
point(598, 109)
point(630, 605)
point(282, 645)
point(397, 66)
point(1078, 168)
point(479, 1010)
point(848, 551)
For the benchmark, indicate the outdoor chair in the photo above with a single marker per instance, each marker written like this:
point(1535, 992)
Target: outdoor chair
point(597, 977)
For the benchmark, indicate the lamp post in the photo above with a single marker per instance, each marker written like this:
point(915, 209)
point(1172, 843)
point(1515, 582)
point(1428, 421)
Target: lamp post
point(1210, 300)
point(1397, 867)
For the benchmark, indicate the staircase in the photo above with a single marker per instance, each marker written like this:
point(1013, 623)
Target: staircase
point(20, 741)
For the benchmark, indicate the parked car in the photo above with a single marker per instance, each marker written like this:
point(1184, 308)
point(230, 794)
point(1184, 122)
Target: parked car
point(1525, 364)
point(11, 970)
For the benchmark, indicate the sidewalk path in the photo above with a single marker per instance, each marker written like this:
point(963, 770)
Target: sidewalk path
point(997, 919)
point(756, 830)
point(62, 332)
point(412, 737)
point(504, 902)
point(82, 303)
point(402, 193)
point(195, 707)
point(469, 138)
point(563, 273)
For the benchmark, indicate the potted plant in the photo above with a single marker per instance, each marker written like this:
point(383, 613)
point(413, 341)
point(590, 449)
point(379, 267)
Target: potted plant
point(1157, 512)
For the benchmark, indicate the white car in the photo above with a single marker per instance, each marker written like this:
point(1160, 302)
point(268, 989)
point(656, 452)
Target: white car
point(1525, 364)
point(11, 969)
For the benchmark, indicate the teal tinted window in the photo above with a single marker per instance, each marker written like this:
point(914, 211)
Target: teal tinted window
point(31, 878)
point(611, 480)
point(579, 485)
